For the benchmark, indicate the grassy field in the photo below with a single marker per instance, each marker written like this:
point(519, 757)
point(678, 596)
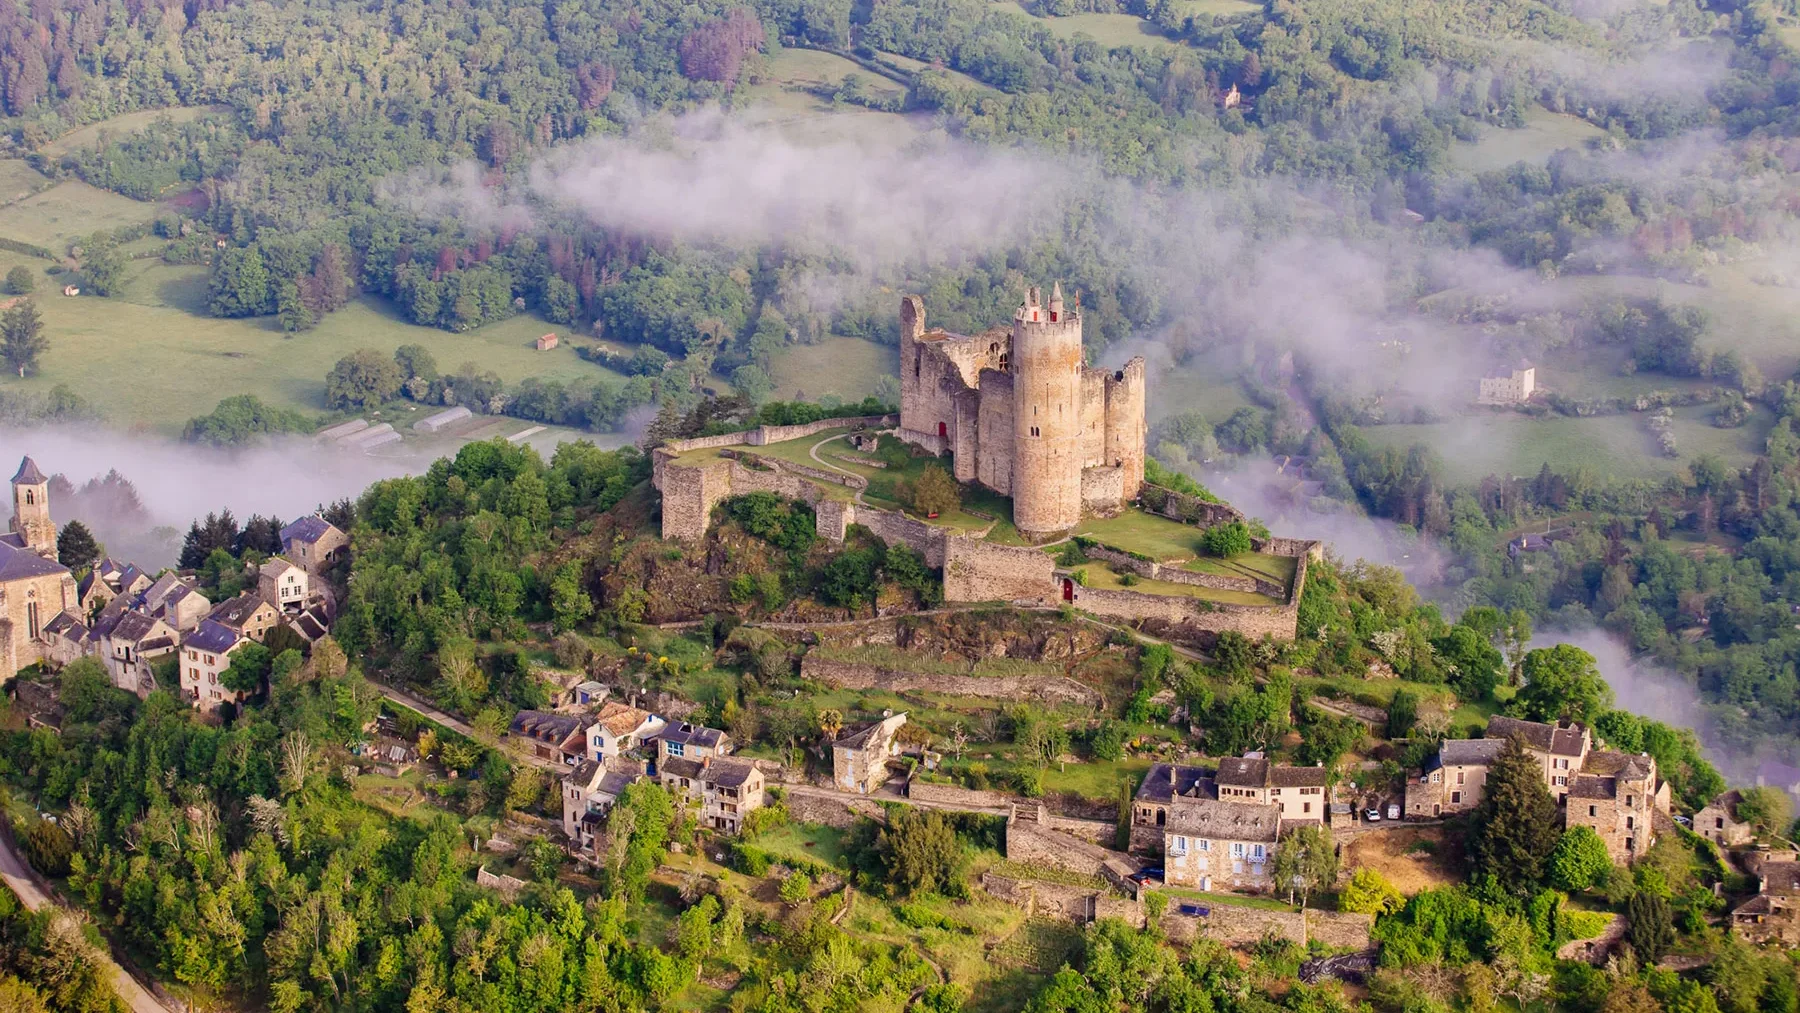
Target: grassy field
point(1101, 576)
point(1198, 387)
point(127, 123)
point(1543, 134)
point(1136, 531)
point(105, 349)
point(18, 180)
point(68, 211)
point(1109, 30)
point(847, 367)
point(810, 68)
point(809, 841)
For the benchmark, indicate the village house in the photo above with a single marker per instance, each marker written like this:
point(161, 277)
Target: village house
point(311, 623)
point(131, 645)
point(65, 639)
point(1452, 781)
point(1718, 822)
point(682, 740)
point(1619, 796)
point(559, 737)
point(1771, 915)
point(246, 615)
point(177, 601)
point(282, 584)
point(1298, 791)
point(589, 792)
point(1560, 749)
point(205, 655)
point(314, 543)
point(34, 587)
point(859, 761)
point(618, 728)
point(1150, 807)
point(730, 788)
point(1213, 844)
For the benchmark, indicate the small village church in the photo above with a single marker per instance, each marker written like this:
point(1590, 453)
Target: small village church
point(34, 587)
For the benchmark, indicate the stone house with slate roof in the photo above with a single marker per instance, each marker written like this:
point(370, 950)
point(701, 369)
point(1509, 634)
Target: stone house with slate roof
point(283, 585)
point(1719, 822)
point(177, 601)
point(247, 615)
point(1454, 779)
point(131, 645)
point(1621, 798)
point(729, 788)
point(859, 761)
point(559, 737)
point(1150, 807)
point(1215, 844)
point(686, 741)
point(205, 655)
point(1773, 915)
point(314, 543)
point(1298, 791)
point(1560, 749)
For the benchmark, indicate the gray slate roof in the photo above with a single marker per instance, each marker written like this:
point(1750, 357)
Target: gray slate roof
point(729, 772)
point(19, 564)
point(28, 473)
point(212, 637)
point(1470, 752)
point(307, 530)
point(1557, 740)
point(1244, 772)
point(693, 735)
point(1166, 780)
point(1230, 821)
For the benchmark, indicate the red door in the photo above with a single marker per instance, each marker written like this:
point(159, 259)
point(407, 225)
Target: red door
point(943, 430)
point(1068, 589)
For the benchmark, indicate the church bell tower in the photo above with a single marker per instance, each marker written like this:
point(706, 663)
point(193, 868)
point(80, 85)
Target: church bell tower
point(31, 510)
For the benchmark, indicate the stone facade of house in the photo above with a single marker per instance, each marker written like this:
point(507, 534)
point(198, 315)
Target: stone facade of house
point(859, 762)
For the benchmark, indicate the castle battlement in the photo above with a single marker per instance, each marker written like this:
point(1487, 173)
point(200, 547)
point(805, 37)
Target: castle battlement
point(1022, 414)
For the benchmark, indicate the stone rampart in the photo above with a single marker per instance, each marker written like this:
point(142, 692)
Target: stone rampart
point(1195, 614)
point(860, 675)
point(891, 527)
point(1098, 832)
point(1103, 488)
point(1311, 548)
point(983, 571)
point(842, 478)
point(762, 436)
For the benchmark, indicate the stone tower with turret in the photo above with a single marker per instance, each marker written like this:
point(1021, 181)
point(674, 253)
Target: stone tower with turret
point(31, 510)
point(1047, 454)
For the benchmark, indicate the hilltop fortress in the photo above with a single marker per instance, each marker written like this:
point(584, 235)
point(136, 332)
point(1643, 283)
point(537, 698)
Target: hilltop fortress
point(1021, 413)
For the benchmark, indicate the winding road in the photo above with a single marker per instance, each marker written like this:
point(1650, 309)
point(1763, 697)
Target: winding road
point(24, 884)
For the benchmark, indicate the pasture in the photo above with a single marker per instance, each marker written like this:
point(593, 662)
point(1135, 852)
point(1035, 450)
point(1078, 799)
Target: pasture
point(1543, 134)
point(19, 180)
point(66, 212)
point(126, 123)
point(147, 360)
point(1110, 30)
point(847, 367)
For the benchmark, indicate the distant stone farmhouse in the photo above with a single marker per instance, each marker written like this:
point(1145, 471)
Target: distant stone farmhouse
point(1508, 385)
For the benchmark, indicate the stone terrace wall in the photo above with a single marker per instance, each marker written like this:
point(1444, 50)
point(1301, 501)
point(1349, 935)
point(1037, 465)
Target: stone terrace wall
point(1240, 925)
point(1078, 904)
point(891, 527)
point(818, 474)
point(1311, 548)
point(859, 675)
point(1177, 575)
point(951, 795)
point(1253, 621)
point(983, 571)
point(832, 812)
point(1098, 832)
point(1036, 842)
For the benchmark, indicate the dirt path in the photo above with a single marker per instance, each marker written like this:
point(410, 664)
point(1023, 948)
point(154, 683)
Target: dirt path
point(813, 452)
point(24, 883)
point(411, 702)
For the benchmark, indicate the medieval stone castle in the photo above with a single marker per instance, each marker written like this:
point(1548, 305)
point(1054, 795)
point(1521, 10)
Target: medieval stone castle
point(1021, 414)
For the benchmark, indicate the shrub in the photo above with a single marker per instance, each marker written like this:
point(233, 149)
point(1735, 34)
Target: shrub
point(1224, 540)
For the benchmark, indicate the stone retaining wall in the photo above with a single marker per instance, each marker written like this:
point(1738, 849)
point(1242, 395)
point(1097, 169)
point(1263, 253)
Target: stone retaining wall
point(983, 571)
point(1188, 509)
point(1177, 575)
point(1193, 614)
point(762, 436)
point(952, 795)
point(832, 812)
point(1239, 925)
point(862, 675)
point(1078, 904)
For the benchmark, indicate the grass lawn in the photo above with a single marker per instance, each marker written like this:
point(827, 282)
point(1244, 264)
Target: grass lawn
point(1110, 30)
point(1202, 386)
point(1279, 569)
point(55, 217)
point(847, 367)
point(1233, 899)
point(1136, 531)
point(127, 123)
point(104, 348)
point(1101, 576)
point(813, 842)
point(811, 68)
point(1543, 134)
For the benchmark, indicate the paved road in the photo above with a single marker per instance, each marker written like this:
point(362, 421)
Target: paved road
point(19, 878)
point(411, 702)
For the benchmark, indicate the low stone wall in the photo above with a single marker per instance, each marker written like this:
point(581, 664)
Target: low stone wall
point(1177, 575)
point(1078, 904)
point(951, 795)
point(832, 812)
point(1033, 841)
point(860, 675)
point(894, 527)
point(1311, 548)
point(1239, 925)
point(762, 436)
point(817, 474)
point(983, 571)
point(1098, 832)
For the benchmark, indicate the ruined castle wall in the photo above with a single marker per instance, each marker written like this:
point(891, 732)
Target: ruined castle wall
point(1126, 429)
point(965, 435)
point(831, 519)
point(893, 527)
point(1189, 509)
point(1237, 925)
point(858, 675)
point(817, 474)
point(1097, 832)
point(994, 465)
point(953, 796)
point(938, 379)
point(1093, 420)
point(1063, 901)
point(1102, 488)
point(688, 496)
point(762, 436)
point(983, 571)
point(1310, 548)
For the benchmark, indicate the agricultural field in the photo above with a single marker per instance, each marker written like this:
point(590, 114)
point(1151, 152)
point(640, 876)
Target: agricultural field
point(18, 180)
point(812, 68)
point(1110, 30)
point(68, 211)
point(1543, 134)
point(100, 347)
point(1504, 443)
point(847, 367)
point(126, 123)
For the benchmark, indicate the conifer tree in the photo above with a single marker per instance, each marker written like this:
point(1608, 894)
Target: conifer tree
point(1515, 825)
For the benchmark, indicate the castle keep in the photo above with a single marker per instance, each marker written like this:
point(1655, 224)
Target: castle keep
point(1022, 415)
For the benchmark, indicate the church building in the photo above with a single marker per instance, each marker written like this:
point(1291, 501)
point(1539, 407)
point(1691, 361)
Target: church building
point(34, 587)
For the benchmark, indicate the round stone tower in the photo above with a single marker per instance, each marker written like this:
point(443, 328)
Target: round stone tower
point(1046, 364)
